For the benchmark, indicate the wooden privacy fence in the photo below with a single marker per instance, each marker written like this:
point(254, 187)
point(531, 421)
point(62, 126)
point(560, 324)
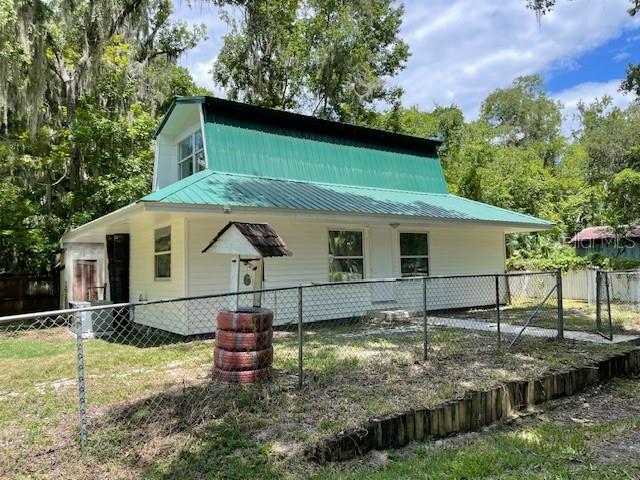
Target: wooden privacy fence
point(26, 294)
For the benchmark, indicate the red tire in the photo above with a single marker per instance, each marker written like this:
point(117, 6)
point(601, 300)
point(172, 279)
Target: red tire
point(239, 342)
point(226, 360)
point(247, 376)
point(245, 320)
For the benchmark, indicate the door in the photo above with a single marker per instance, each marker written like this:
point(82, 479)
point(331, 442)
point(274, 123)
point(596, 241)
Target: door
point(85, 280)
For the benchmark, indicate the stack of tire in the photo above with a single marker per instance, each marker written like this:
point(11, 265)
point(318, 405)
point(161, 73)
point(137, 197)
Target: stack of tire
point(243, 352)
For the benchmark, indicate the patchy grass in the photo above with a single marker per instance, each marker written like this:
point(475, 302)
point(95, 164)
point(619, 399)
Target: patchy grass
point(578, 315)
point(155, 412)
point(592, 436)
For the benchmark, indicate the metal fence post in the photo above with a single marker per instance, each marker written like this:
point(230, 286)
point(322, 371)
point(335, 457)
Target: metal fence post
point(425, 331)
point(598, 300)
point(498, 310)
point(82, 404)
point(560, 306)
point(300, 332)
point(608, 297)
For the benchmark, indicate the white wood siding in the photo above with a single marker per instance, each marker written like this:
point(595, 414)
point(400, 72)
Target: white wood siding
point(466, 250)
point(183, 123)
point(453, 250)
point(143, 284)
point(166, 163)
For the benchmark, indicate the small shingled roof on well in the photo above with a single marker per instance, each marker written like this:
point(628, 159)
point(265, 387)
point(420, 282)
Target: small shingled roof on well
point(260, 235)
point(234, 190)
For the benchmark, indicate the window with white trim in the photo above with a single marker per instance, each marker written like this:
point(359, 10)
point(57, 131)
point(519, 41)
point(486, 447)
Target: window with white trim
point(346, 255)
point(162, 252)
point(191, 155)
point(414, 254)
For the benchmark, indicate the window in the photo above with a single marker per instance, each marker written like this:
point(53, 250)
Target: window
point(191, 155)
point(346, 258)
point(414, 254)
point(163, 252)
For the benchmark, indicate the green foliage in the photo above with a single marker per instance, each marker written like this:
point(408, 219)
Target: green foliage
point(622, 263)
point(523, 115)
point(610, 137)
point(564, 259)
point(80, 97)
point(624, 198)
point(328, 57)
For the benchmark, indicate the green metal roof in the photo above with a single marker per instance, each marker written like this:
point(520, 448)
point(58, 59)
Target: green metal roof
point(264, 142)
point(224, 189)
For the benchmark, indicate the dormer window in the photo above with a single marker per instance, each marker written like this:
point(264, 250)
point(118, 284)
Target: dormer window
point(191, 155)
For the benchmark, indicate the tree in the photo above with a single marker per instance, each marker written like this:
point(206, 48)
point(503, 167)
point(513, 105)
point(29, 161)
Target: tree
point(263, 58)
point(523, 116)
point(624, 199)
point(55, 53)
point(610, 137)
point(328, 58)
point(76, 141)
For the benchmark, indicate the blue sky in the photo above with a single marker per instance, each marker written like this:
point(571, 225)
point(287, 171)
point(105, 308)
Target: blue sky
point(464, 49)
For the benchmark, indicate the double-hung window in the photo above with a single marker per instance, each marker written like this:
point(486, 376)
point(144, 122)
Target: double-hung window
point(162, 252)
point(346, 256)
point(191, 155)
point(414, 254)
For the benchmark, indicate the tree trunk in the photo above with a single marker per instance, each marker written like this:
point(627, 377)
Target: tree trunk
point(71, 87)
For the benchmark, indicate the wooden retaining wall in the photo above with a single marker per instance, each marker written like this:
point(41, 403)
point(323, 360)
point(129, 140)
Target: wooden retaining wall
point(471, 413)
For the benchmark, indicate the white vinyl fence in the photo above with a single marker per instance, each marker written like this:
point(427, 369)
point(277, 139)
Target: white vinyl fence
point(581, 285)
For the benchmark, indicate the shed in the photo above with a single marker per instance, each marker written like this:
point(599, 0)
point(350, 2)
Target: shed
point(603, 239)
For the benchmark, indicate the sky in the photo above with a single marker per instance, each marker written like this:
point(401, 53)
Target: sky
point(461, 50)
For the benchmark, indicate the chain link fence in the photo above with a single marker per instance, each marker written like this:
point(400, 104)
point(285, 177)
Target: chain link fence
point(126, 381)
point(617, 308)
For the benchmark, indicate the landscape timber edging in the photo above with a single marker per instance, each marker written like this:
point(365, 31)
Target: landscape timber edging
point(474, 411)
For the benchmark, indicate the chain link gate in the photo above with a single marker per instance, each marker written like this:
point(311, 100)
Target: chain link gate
point(535, 306)
point(617, 302)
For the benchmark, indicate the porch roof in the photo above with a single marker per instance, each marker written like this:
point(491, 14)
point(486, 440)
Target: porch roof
point(230, 189)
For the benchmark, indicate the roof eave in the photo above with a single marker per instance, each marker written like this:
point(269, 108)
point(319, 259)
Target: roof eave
point(208, 208)
point(174, 102)
point(116, 215)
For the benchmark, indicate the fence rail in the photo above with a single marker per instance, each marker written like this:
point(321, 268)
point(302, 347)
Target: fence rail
point(325, 335)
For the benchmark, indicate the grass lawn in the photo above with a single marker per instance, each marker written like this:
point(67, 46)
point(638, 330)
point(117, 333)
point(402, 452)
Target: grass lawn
point(155, 413)
point(592, 436)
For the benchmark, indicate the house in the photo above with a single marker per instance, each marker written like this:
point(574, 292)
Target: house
point(604, 240)
point(350, 202)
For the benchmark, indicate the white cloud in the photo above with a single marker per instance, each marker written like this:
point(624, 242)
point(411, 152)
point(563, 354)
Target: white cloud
point(200, 60)
point(588, 92)
point(462, 50)
point(620, 56)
